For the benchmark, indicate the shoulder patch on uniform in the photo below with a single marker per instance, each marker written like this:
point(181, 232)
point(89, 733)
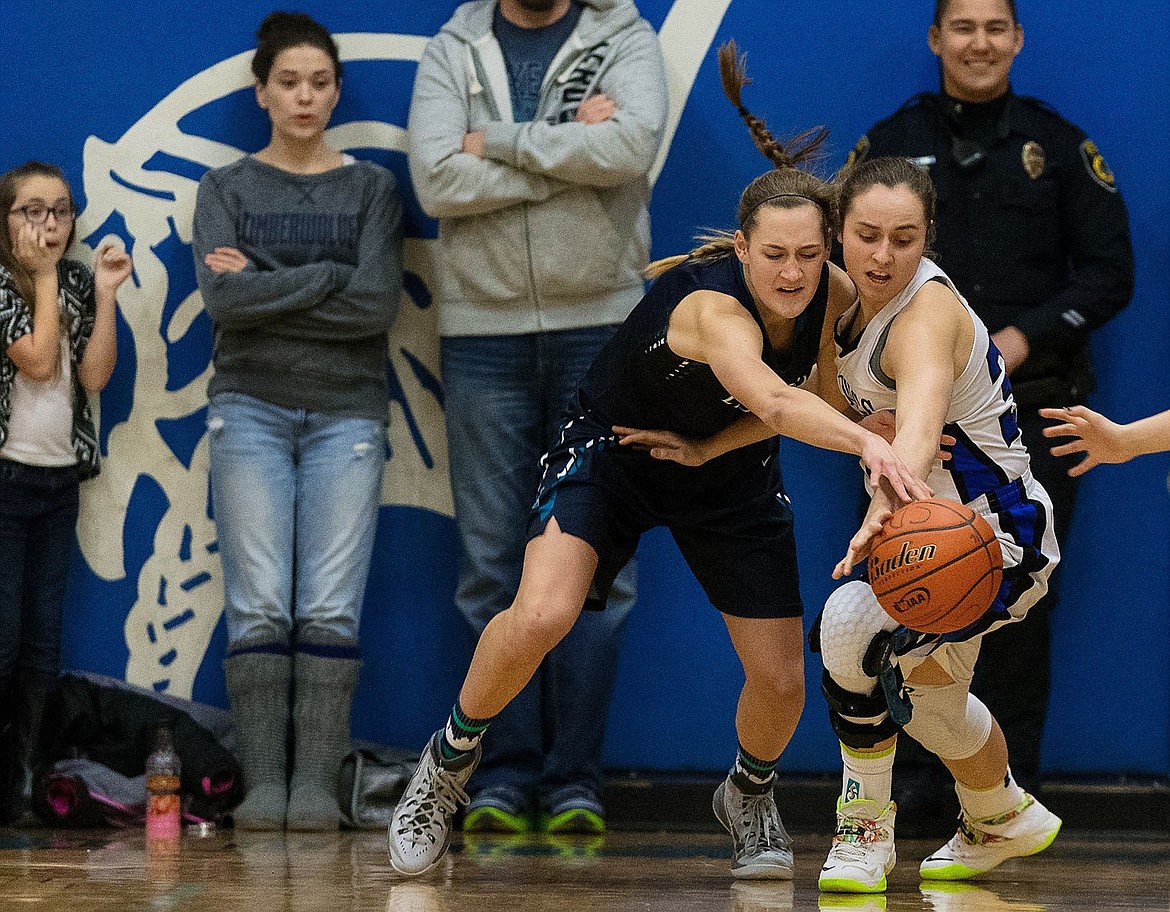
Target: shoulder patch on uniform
point(1096, 165)
point(859, 152)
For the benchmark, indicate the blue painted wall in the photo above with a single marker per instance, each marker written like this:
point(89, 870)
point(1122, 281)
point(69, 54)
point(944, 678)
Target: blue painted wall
point(136, 105)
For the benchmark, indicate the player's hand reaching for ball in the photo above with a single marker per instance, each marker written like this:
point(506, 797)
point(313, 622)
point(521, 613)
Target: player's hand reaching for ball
point(665, 445)
point(882, 463)
point(861, 542)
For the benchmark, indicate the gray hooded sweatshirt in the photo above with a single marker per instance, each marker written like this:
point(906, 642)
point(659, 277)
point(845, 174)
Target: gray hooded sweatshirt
point(550, 229)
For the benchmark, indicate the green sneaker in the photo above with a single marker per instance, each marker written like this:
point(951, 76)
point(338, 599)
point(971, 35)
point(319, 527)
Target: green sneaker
point(862, 853)
point(497, 810)
point(573, 811)
point(980, 845)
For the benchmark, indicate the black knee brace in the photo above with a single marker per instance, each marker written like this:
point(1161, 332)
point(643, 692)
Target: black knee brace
point(876, 725)
point(814, 633)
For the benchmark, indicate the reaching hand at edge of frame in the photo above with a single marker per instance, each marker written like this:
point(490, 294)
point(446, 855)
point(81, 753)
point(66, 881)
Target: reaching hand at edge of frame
point(1102, 440)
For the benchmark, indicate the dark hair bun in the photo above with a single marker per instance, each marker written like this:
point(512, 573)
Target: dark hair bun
point(282, 30)
point(279, 22)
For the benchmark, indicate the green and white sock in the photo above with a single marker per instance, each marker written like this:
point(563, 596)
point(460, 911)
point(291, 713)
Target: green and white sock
point(867, 774)
point(752, 775)
point(461, 735)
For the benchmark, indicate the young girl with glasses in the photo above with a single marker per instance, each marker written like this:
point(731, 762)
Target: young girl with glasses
point(57, 329)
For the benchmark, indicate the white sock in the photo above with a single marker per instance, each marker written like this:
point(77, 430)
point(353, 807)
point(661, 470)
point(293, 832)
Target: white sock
point(867, 774)
point(980, 804)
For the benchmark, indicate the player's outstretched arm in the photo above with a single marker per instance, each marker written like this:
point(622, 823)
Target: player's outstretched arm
point(726, 337)
point(695, 451)
point(1102, 440)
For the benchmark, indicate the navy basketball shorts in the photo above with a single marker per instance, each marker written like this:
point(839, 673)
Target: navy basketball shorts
point(730, 518)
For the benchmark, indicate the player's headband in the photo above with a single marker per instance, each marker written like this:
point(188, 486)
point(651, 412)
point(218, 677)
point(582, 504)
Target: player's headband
point(773, 198)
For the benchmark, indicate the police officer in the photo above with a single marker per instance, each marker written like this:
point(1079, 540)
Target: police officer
point(1033, 232)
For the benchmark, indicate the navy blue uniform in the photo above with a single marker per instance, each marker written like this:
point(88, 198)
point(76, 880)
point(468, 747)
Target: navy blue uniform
point(1030, 225)
point(730, 517)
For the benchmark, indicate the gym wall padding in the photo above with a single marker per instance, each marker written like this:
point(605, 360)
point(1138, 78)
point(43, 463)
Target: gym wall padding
point(136, 103)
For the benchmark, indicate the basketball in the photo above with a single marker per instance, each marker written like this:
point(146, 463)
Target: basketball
point(936, 566)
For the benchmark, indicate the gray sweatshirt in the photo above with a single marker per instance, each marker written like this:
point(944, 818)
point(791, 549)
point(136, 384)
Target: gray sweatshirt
point(550, 230)
point(304, 325)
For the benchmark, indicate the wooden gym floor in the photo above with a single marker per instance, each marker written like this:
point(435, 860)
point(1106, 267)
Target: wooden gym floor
point(114, 871)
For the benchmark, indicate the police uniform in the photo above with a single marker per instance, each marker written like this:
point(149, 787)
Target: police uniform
point(1032, 230)
point(730, 517)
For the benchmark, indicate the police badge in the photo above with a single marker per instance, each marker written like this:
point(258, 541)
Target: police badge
point(1033, 158)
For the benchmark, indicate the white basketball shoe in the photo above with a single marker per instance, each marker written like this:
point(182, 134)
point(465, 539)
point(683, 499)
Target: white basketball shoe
point(420, 830)
point(980, 845)
point(862, 853)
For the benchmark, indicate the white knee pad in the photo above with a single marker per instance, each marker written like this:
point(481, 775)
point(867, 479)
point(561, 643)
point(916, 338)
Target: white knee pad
point(948, 720)
point(851, 618)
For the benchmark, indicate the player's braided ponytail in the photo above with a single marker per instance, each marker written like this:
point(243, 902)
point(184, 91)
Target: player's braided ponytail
point(803, 147)
point(785, 186)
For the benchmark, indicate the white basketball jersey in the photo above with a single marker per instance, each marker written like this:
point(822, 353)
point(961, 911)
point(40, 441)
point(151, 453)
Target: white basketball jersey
point(988, 452)
point(988, 469)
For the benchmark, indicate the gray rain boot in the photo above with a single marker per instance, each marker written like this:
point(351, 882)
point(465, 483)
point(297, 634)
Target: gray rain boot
point(321, 706)
point(258, 690)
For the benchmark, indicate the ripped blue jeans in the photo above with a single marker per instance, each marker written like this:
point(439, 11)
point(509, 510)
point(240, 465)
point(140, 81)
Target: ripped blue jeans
point(295, 496)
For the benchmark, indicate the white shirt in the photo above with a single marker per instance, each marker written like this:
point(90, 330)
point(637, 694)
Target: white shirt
point(40, 429)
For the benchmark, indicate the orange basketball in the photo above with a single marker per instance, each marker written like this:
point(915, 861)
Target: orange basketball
point(936, 566)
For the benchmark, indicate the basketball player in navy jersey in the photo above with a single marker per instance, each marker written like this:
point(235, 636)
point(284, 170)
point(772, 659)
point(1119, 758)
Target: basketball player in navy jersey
point(730, 330)
point(911, 347)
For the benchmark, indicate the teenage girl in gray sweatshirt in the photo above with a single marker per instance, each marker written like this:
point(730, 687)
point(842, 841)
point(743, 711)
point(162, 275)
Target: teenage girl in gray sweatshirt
point(298, 252)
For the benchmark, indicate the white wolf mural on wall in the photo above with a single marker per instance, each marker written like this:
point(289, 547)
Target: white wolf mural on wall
point(141, 188)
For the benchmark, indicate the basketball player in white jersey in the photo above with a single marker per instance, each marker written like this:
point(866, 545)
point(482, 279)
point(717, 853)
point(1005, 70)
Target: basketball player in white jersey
point(912, 345)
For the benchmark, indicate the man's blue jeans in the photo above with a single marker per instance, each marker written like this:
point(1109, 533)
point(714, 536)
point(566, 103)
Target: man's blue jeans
point(38, 514)
point(296, 498)
point(504, 400)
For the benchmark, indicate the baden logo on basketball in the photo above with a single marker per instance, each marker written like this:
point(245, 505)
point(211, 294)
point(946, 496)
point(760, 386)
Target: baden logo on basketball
point(906, 556)
point(936, 566)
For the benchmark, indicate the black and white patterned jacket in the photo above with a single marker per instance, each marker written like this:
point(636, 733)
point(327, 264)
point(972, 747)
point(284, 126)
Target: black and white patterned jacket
point(77, 303)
